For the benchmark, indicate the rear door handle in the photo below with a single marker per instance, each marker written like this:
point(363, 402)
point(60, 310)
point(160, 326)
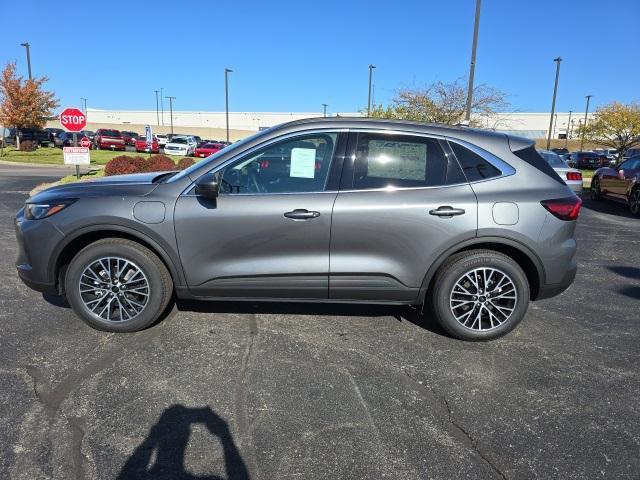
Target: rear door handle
point(446, 211)
point(301, 214)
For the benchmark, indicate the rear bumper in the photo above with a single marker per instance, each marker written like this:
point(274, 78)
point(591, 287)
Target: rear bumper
point(553, 289)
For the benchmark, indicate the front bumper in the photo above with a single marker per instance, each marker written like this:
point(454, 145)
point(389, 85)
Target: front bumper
point(182, 153)
point(37, 240)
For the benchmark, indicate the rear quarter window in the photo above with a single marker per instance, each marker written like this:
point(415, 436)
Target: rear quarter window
point(475, 167)
point(533, 158)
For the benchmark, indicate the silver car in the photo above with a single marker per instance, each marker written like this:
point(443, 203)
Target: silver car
point(571, 176)
point(465, 225)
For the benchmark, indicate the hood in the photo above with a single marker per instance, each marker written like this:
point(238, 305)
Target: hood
point(134, 185)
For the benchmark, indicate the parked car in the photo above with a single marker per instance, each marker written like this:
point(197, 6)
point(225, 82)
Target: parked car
point(162, 139)
point(53, 132)
point(207, 149)
point(571, 176)
point(37, 135)
point(584, 160)
point(621, 183)
point(143, 146)
point(129, 137)
point(471, 223)
point(89, 134)
point(65, 139)
point(184, 146)
point(631, 152)
point(107, 138)
point(560, 151)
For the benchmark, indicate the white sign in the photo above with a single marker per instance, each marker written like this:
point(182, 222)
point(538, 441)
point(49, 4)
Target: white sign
point(148, 134)
point(303, 162)
point(76, 156)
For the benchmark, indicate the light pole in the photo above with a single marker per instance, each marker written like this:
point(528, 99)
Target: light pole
point(83, 101)
point(161, 107)
point(553, 102)
point(227, 71)
point(324, 109)
point(157, 109)
point(171, 99)
point(371, 67)
point(566, 137)
point(584, 125)
point(472, 67)
point(26, 45)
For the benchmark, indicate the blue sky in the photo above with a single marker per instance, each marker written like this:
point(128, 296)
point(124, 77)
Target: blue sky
point(296, 55)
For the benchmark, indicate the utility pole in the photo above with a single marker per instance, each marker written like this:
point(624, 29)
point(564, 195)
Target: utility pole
point(171, 99)
point(472, 68)
point(26, 45)
point(157, 109)
point(553, 102)
point(227, 71)
point(566, 137)
point(324, 109)
point(83, 101)
point(371, 67)
point(584, 125)
point(161, 107)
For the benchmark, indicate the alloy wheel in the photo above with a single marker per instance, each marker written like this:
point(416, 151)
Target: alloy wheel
point(114, 289)
point(634, 203)
point(483, 299)
point(595, 189)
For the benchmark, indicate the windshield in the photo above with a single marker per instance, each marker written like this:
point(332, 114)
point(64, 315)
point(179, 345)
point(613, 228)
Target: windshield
point(211, 159)
point(110, 133)
point(553, 159)
point(178, 140)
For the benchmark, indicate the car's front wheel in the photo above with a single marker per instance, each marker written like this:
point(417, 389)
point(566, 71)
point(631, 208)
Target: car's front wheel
point(118, 285)
point(479, 295)
point(596, 192)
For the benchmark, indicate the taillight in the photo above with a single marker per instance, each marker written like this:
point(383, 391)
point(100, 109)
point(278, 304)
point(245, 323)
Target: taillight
point(566, 208)
point(574, 176)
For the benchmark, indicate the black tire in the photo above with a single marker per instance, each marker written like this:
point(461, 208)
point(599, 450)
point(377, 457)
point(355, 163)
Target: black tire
point(160, 285)
point(452, 270)
point(595, 189)
point(634, 202)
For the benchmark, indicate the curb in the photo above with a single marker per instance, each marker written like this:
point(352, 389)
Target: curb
point(48, 165)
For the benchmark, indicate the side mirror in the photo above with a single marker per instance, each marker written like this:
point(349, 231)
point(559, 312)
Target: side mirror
point(207, 186)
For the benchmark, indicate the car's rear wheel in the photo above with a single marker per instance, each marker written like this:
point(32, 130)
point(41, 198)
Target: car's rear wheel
point(596, 193)
point(479, 295)
point(118, 285)
point(634, 201)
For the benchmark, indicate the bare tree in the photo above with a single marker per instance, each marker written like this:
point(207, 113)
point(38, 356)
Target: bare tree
point(446, 103)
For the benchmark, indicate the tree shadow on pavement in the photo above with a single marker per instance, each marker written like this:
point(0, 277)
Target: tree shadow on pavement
point(399, 312)
point(162, 453)
point(628, 272)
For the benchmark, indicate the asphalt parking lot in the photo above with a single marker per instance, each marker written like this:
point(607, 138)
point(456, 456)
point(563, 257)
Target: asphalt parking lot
point(271, 391)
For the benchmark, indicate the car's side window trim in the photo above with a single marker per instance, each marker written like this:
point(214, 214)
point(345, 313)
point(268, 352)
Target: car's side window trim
point(506, 170)
point(340, 143)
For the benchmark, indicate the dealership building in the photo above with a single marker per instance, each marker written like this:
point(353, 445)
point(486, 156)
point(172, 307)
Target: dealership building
point(531, 125)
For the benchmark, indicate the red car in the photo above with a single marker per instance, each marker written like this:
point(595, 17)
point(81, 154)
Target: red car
point(621, 184)
point(130, 138)
point(107, 138)
point(141, 145)
point(207, 149)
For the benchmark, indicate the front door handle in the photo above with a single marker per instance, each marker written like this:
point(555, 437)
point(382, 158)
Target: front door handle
point(301, 214)
point(446, 211)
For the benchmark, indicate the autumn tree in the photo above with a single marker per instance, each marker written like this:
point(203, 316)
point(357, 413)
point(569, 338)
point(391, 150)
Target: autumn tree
point(445, 103)
point(615, 125)
point(24, 103)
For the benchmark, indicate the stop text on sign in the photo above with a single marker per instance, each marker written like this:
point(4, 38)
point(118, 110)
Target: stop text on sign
point(73, 119)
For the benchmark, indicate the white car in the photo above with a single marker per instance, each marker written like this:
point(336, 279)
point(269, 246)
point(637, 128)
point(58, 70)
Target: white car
point(162, 139)
point(571, 176)
point(184, 146)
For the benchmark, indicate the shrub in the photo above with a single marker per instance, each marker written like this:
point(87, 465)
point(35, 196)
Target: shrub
point(160, 163)
point(185, 163)
point(28, 146)
point(120, 165)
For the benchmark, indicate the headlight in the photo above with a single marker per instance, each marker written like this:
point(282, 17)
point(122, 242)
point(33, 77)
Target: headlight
point(36, 211)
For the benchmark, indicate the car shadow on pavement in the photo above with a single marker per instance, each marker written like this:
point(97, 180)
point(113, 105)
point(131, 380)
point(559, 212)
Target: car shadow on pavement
point(399, 312)
point(609, 207)
point(161, 455)
point(628, 272)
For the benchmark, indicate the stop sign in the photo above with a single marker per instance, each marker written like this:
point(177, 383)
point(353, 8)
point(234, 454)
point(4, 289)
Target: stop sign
point(85, 142)
point(73, 119)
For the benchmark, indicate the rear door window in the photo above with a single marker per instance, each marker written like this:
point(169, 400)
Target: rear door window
point(398, 161)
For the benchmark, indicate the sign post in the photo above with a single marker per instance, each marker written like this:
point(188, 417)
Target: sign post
point(73, 120)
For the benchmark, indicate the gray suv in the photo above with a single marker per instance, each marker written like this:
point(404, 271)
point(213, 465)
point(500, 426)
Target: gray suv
point(470, 225)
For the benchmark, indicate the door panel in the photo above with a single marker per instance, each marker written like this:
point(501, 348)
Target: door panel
point(244, 246)
point(383, 242)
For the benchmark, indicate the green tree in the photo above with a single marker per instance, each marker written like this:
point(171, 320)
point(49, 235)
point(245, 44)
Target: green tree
point(615, 125)
point(445, 103)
